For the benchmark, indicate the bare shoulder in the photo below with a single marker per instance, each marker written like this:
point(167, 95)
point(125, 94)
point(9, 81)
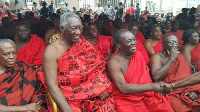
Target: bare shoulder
point(157, 57)
point(55, 49)
point(114, 62)
point(147, 42)
point(186, 49)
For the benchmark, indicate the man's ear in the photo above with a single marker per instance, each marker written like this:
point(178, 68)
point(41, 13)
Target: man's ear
point(119, 45)
point(189, 39)
point(61, 29)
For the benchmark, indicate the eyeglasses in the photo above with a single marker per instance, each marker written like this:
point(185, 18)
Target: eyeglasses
point(172, 43)
point(75, 29)
point(23, 30)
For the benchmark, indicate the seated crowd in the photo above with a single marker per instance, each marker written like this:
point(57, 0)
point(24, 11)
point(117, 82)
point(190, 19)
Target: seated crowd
point(99, 66)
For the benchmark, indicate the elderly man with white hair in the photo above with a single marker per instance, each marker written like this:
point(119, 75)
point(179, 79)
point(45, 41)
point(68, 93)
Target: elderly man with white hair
point(75, 74)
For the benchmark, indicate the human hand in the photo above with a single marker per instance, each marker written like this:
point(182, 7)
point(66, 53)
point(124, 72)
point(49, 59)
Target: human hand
point(157, 87)
point(104, 95)
point(173, 54)
point(192, 95)
point(169, 87)
point(33, 107)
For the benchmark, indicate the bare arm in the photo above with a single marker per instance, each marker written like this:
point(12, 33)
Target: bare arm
point(149, 47)
point(186, 54)
point(159, 71)
point(115, 74)
point(192, 80)
point(189, 81)
point(50, 69)
point(108, 55)
point(29, 107)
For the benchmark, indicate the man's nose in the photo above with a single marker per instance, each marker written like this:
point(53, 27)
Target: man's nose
point(133, 42)
point(11, 55)
point(78, 31)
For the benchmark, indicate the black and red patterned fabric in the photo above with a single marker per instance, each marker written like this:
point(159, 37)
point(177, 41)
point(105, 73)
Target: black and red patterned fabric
point(82, 78)
point(20, 86)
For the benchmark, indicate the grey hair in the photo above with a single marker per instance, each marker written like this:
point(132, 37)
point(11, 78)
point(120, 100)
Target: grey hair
point(65, 16)
point(5, 41)
point(117, 38)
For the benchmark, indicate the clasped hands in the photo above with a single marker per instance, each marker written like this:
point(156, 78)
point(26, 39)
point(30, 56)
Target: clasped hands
point(162, 88)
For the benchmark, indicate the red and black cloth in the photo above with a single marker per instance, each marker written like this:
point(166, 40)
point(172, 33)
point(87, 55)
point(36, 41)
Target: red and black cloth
point(20, 86)
point(82, 78)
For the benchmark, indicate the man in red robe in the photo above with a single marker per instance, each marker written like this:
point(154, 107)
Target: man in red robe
point(133, 90)
point(171, 66)
point(75, 73)
point(29, 46)
point(139, 47)
point(195, 56)
point(20, 88)
point(133, 27)
point(103, 44)
point(178, 33)
point(154, 44)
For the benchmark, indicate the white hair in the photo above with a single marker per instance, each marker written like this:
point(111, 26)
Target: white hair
point(65, 16)
point(5, 41)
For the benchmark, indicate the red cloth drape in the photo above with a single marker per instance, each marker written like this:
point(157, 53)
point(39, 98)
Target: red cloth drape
point(20, 86)
point(195, 55)
point(82, 77)
point(179, 34)
point(138, 73)
point(104, 43)
point(32, 52)
point(158, 47)
point(140, 37)
point(140, 47)
point(179, 101)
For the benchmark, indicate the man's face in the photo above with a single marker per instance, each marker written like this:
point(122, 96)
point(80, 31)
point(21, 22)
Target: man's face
point(156, 33)
point(168, 24)
point(73, 30)
point(108, 3)
point(35, 5)
point(98, 4)
point(194, 38)
point(128, 43)
point(93, 31)
point(171, 43)
point(134, 30)
point(8, 55)
point(23, 32)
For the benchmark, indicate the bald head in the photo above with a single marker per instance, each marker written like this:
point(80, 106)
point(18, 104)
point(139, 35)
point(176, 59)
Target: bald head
point(170, 41)
point(118, 37)
point(4, 41)
point(8, 53)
